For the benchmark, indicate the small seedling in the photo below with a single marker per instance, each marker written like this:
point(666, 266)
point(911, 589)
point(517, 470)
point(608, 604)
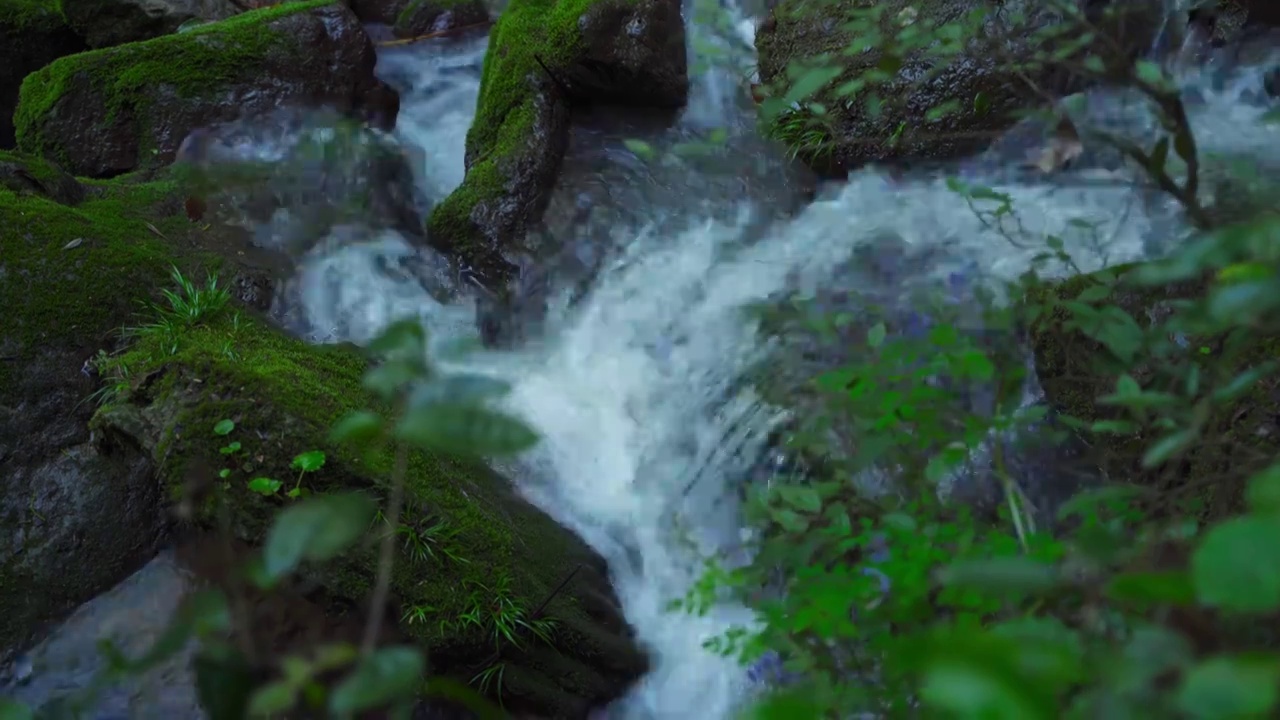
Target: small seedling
point(304, 463)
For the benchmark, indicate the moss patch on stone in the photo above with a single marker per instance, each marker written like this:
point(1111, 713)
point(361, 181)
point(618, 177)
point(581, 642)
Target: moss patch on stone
point(75, 274)
point(191, 64)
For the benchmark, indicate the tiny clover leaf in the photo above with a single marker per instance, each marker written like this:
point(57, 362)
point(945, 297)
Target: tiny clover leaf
point(386, 675)
point(464, 430)
point(224, 427)
point(309, 461)
point(316, 530)
point(1237, 565)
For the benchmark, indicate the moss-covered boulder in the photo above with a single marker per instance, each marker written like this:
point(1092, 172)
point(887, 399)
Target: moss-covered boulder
point(983, 85)
point(470, 541)
point(111, 111)
point(103, 23)
point(1075, 370)
point(545, 55)
point(33, 33)
point(75, 260)
point(411, 18)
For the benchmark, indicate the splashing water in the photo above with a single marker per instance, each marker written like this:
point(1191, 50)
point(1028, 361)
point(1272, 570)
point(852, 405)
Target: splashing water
point(636, 388)
point(637, 384)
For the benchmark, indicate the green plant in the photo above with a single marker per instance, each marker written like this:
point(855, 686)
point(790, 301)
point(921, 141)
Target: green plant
point(805, 130)
point(187, 305)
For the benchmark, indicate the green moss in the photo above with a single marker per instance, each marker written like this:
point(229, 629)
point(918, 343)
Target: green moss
point(197, 63)
point(31, 14)
point(528, 31)
point(77, 273)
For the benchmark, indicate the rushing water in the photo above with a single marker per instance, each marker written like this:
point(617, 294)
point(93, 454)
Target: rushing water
point(634, 376)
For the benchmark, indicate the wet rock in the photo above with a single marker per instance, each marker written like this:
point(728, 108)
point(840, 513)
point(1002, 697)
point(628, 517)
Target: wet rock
point(103, 23)
point(411, 18)
point(542, 62)
point(294, 174)
point(132, 615)
point(982, 84)
point(119, 109)
point(32, 35)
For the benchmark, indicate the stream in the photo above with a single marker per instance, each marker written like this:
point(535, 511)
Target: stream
point(635, 345)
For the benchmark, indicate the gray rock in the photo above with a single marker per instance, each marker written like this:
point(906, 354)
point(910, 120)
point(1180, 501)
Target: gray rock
point(104, 23)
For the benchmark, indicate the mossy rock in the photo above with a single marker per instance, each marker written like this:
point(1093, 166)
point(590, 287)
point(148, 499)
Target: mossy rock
point(111, 111)
point(75, 261)
point(986, 93)
point(104, 23)
point(1075, 370)
point(33, 33)
point(543, 56)
point(284, 397)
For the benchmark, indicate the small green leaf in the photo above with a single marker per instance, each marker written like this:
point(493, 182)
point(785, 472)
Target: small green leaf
point(1237, 566)
point(389, 674)
point(875, 336)
point(640, 148)
point(459, 390)
point(309, 461)
point(273, 699)
point(403, 338)
point(801, 497)
point(1224, 688)
point(224, 427)
point(466, 430)
point(359, 427)
point(981, 104)
point(265, 485)
point(1168, 446)
point(391, 376)
point(316, 530)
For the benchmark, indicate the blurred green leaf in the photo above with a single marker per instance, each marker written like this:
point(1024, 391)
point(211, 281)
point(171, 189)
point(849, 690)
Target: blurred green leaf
point(316, 529)
point(1237, 565)
point(388, 674)
point(466, 430)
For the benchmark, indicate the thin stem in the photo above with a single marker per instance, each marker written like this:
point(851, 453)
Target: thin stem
point(387, 553)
